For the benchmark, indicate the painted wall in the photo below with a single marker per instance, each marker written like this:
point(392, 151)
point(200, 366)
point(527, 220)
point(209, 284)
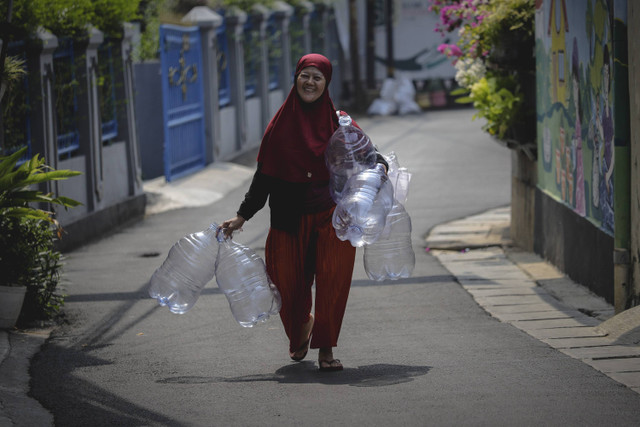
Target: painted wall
point(634, 93)
point(575, 106)
point(583, 178)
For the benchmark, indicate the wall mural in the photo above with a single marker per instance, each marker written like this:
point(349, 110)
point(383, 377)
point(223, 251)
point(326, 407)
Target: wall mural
point(574, 63)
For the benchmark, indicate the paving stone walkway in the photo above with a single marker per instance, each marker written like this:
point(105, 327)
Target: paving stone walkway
point(523, 290)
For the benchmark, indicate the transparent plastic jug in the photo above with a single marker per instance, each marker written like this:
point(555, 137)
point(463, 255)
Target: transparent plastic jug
point(242, 276)
point(349, 152)
point(391, 256)
point(190, 265)
point(399, 177)
point(360, 215)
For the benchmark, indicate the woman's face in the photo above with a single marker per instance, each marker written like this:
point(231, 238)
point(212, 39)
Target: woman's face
point(310, 84)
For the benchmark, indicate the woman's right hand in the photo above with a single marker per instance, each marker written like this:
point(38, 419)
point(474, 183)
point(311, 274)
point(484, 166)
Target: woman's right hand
point(231, 225)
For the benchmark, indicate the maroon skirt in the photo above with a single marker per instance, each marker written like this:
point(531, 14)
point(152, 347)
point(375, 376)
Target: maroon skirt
point(294, 261)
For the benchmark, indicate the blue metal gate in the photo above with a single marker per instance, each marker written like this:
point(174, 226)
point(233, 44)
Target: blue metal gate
point(182, 97)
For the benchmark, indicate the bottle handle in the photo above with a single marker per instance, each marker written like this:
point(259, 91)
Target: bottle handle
point(221, 235)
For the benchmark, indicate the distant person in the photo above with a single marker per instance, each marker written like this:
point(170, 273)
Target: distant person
point(302, 244)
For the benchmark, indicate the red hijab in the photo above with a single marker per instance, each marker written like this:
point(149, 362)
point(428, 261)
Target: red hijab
point(294, 142)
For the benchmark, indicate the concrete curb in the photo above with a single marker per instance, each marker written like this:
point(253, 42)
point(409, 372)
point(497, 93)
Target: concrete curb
point(523, 290)
point(195, 190)
point(16, 407)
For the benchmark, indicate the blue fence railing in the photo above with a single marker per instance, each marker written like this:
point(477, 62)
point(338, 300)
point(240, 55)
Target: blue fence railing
point(224, 82)
point(274, 47)
point(317, 30)
point(66, 89)
point(106, 72)
point(17, 125)
point(296, 32)
point(251, 58)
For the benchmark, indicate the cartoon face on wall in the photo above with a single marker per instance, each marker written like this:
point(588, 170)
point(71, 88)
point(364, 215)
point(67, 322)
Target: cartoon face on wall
point(577, 141)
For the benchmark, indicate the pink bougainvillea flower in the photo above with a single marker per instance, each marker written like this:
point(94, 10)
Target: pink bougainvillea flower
point(450, 50)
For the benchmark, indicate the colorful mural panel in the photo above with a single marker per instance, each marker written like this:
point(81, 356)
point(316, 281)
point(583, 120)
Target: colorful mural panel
point(574, 60)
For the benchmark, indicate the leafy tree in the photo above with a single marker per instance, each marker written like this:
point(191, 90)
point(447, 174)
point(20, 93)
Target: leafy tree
point(70, 17)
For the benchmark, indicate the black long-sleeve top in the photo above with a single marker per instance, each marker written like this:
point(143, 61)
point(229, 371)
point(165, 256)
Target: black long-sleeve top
point(288, 201)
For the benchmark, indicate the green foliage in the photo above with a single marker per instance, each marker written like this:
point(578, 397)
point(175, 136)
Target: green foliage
point(494, 99)
point(13, 71)
point(108, 15)
point(503, 20)
point(27, 233)
point(155, 12)
point(63, 17)
point(152, 13)
point(495, 61)
point(13, 103)
point(16, 191)
point(28, 258)
point(70, 17)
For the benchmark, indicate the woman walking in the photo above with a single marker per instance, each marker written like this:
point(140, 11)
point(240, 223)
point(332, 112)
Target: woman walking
point(302, 245)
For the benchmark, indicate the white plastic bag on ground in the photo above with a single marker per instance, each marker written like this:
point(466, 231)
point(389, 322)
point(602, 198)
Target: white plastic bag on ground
point(388, 90)
point(405, 96)
point(381, 107)
point(397, 96)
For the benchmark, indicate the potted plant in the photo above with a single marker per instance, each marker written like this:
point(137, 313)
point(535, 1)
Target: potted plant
point(28, 262)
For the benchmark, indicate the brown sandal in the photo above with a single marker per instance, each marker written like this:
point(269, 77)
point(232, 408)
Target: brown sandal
point(330, 365)
point(305, 345)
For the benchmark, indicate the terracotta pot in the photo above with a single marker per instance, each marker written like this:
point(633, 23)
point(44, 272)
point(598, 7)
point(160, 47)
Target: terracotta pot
point(11, 298)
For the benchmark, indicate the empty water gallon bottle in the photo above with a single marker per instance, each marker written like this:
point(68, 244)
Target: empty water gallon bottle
point(360, 215)
point(349, 151)
point(242, 276)
point(190, 265)
point(399, 177)
point(391, 256)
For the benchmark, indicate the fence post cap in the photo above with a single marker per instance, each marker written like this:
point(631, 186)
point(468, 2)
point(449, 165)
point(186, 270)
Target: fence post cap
point(46, 38)
point(283, 8)
point(260, 9)
point(129, 29)
point(236, 16)
point(203, 16)
point(95, 36)
point(307, 6)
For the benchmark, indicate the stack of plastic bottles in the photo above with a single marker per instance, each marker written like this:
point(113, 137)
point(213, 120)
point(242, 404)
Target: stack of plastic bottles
point(240, 273)
point(370, 203)
point(391, 257)
point(349, 151)
point(366, 201)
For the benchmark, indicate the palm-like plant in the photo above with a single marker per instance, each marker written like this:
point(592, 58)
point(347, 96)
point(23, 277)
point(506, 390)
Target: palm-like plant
point(17, 192)
point(12, 72)
point(27, 254)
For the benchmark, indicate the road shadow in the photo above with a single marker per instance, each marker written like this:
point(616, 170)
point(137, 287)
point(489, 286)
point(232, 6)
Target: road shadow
point(74, 401)
point(378, 375)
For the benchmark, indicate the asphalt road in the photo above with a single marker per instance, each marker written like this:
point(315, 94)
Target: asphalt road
point(416, 352)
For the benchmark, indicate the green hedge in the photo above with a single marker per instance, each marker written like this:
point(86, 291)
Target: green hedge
point(69, 17)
